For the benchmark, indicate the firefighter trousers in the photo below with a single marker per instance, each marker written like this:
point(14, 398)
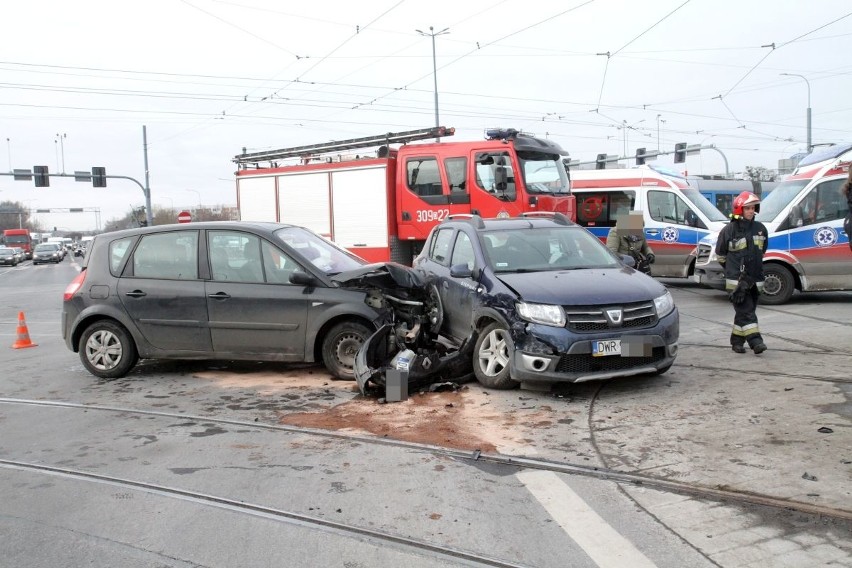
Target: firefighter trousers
point(745, 321)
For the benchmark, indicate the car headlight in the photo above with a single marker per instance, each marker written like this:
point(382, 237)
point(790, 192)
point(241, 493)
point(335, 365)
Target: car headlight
point(542, 313)
point(664, 304)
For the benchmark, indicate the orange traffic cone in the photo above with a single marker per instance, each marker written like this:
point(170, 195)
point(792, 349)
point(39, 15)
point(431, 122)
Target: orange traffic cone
point(23, 339)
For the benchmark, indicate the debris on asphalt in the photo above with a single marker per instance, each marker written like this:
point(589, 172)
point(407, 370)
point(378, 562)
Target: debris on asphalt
point(825, 430)
point(808, 476)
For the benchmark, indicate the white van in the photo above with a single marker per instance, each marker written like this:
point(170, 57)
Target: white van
point(676, 215)
point(808, 249)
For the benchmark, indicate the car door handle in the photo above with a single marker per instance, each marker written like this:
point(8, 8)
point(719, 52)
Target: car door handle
point(136, 294)
point(219, 296)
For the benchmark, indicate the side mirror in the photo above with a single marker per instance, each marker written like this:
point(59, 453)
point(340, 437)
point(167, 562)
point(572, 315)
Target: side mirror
point(460, 271)
point(796, 218)
point(628, 260)
point(302, 279)
point(501, 178)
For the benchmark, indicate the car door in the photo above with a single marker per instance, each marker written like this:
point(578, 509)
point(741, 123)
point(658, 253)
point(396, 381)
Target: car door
point(814, 242)
point(162, 293)
point(252, 306)
point(669, 234)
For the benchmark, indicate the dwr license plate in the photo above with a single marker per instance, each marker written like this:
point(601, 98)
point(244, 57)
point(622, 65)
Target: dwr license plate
point(604, 347)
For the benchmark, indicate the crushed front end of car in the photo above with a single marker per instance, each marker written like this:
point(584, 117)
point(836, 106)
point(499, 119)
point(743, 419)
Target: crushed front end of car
point(408, 338)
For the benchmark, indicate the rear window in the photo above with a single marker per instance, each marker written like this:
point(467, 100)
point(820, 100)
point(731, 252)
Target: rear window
point(117, 253)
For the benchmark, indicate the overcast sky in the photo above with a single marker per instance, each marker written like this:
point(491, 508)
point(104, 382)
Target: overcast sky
point(209, 77)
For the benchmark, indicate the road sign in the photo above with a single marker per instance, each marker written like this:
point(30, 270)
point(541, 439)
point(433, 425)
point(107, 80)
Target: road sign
point(184, 217)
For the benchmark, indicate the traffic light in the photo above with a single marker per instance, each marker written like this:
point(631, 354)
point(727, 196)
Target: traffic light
point(640, 156)
point(680, 153)
point(600, 163)
point(98, 177)
point(40, 176)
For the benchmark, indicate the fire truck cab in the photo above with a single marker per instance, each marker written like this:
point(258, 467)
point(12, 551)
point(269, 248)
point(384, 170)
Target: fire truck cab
point(382, 205)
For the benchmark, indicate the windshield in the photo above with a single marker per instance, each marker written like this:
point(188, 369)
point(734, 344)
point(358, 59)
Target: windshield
point(542, 249)
point(780, 197)
point(703, 205)
point(23, 239)
point(543, 173)
point(322, 253)
point(42, 248)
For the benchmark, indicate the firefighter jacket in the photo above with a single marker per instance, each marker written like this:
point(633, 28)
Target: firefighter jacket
point(740, 249)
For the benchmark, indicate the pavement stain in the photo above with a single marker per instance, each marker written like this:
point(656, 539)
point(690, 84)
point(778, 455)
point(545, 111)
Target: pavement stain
point(441, 419)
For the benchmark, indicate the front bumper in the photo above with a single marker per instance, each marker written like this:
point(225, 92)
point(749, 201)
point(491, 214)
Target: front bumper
point(643, 351)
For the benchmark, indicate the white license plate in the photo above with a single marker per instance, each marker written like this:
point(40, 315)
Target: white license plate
point(604, 347)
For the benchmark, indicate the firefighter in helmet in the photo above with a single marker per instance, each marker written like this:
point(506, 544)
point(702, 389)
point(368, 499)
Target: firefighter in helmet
point(628, 237)
point(740, 249)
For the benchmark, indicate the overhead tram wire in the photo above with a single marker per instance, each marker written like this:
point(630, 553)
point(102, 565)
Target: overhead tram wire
point(478, 47)
point(613, 54)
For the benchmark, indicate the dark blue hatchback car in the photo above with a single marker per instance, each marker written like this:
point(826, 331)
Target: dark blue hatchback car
point(541, 299)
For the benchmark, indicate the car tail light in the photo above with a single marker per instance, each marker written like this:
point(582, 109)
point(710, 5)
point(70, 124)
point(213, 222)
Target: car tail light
point(75, 285)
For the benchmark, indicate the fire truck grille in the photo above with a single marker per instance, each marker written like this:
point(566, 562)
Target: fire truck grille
point(590, 319)
point(585, 363)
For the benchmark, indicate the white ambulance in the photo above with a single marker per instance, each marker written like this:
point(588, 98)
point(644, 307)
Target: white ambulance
point(675, 214)
point(808, 250)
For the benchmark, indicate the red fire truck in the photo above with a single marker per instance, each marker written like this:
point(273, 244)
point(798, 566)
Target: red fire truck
point(381, 205)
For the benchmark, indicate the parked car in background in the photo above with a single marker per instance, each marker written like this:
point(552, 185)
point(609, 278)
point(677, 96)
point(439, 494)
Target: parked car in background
point(218, 290)
point(539, 299)
point(8, 256)
point(47, 252)
point(20, 253)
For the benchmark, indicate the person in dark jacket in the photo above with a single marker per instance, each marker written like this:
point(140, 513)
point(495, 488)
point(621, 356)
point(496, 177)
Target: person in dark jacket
point(740, 249)
point(628, 237)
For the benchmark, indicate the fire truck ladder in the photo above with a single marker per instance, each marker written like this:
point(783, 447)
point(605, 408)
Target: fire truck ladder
point(340, 145)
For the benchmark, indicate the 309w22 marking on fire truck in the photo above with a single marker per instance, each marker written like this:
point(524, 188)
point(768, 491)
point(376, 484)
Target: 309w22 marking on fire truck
point(424, 215)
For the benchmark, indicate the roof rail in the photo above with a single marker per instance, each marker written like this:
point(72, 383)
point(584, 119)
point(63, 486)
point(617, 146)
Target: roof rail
point(560, 218)
point(474, 219)
point(350, 144)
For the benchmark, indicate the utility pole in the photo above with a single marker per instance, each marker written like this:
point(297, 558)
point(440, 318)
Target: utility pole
point(61, 138)
point(149, 216)
point(808, 83)
point(432, 33)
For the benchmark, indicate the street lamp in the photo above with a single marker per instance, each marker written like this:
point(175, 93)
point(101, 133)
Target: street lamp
point(808, 83)
point(61, 138)
point(432, 33)
point(658, 130)
point(196, 192)
point(624, 126)
point(9, 149)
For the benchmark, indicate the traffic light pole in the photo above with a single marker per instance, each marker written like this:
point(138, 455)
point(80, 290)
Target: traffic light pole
point(86, 176)
point(603, 159)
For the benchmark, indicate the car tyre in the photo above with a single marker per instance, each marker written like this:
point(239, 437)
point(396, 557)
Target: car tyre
point(778, 285)
point(339, 347)
point(491, 358)
point(107, 350)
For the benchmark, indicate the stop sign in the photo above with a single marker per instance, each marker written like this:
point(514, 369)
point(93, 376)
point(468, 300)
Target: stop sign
point(184, 217)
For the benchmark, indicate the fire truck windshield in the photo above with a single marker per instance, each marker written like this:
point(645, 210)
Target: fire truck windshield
point(543, 173)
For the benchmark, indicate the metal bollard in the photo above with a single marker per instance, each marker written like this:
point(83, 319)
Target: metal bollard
point(396, 385)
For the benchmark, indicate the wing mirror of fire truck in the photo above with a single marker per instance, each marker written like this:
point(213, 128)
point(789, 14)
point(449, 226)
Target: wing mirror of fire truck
point(501, 178)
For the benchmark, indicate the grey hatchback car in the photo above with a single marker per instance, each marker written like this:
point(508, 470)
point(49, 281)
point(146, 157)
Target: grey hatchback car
point(217, 290)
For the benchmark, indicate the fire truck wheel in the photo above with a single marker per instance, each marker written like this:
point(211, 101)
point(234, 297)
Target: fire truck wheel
point(491, 357)
point(778, 285)
point(339, 347)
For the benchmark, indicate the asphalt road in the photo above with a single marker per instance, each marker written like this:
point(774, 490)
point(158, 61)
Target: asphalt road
point(726, 460)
